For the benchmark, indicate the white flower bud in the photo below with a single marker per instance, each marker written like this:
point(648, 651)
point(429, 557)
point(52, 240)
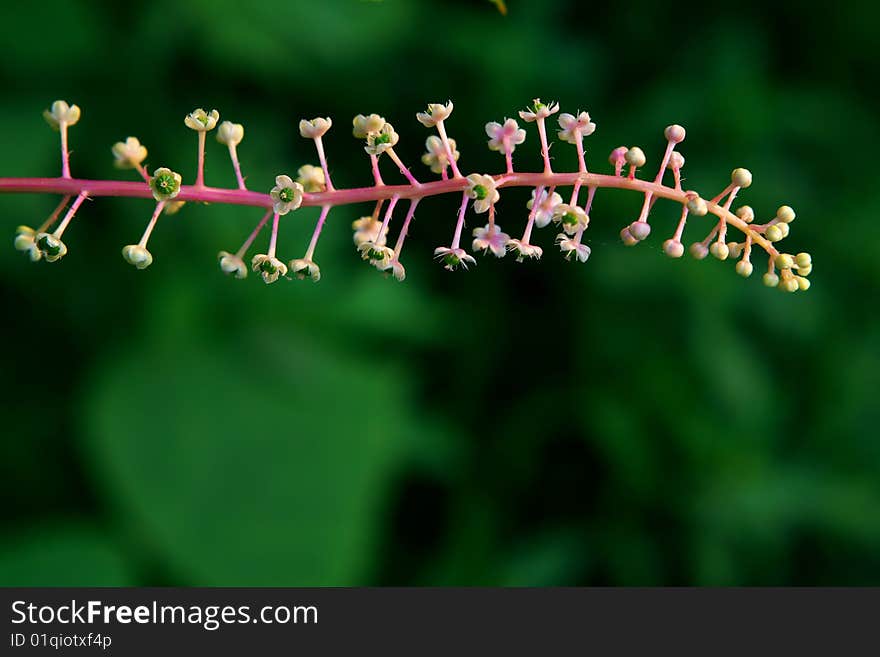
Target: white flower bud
point(230, 133)
point(137, 255)
point(741, 177)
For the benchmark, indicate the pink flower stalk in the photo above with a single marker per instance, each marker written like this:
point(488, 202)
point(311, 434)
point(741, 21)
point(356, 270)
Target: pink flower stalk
point(314, 187)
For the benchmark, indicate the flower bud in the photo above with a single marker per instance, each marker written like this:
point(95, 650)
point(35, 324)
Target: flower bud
point(770, 280)
point(785, 214)
point(137, 255)
point(719, 250)
point(699, 250)
point(230, 133)
point(673, 248)
point(635, 157)
point(744, 268)
point(741, 177)
point(640, 230)
point(675, 134)
point(784, 261)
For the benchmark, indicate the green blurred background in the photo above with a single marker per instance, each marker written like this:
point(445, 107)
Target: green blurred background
point(633, 420)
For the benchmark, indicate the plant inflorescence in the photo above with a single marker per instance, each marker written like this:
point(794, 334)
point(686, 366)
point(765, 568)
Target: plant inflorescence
point(481, 192)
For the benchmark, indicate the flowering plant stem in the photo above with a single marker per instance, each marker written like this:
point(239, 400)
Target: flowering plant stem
point(202, 194)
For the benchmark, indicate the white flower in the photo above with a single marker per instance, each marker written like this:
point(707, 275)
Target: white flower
point(61, 112)
point(538, 111)
point(570, 246)
point(481, 188)
point(509, 133)
point(315, 128)
point(232, 264)
point(129, 154)
point(51, 247)
point(230, 133)
point(24, 241)
point(366, 125)
point(571, 217)
point(572, 125)
point(165, 184)
point(379, 142)
point(366, 229)
point(200, 121)
point(397, 270)
point(546, 206)
point(311, 178)
point(436, 113)
point(453, 258)
point(379, 255)
point(436, 157)
point(270, 268)
point(304, 269)
point(490, 238)
point(287, 195)
point(524, 250)
point(137, 255)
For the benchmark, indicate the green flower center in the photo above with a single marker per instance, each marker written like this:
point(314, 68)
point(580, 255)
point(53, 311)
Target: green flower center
point(376, 255)
point(47, 246)
point(451, 259)
point(166, 184)
point(383, 138)
point(267, 267)
point(480, 192)
point(287, 195)
point(569, 218)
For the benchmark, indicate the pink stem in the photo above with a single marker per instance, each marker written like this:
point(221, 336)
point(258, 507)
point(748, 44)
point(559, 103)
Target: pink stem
point(527, 233)
point(590, 196)
point(723, 192)
point(669, 148)
point(676, 174)
point(150, 226)
point(403, 169)
point(545, 148)
point(65, 156)
point(582, 163)
point(580, 231)
point(189, 193)
point(273, 240)
point(200, 174)
point(456, 238)
point(681, 223)
point(233, 155)
point(441, 129)
point(492, 219)
point(403, 231)
point(574, 193)
point(319, 146)
point(253, 235)
point(388, 212)
point(310, 252)
point(70, 213)
point(141, 170)
point(52, 217)
point(377, 176)
point(508, 155)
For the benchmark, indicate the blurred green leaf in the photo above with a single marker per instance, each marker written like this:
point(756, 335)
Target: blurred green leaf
point(266, 467)
point(59, 555)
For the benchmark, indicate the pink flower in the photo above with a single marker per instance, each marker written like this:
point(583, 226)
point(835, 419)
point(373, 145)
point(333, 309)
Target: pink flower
point(506, 136)
point(490, 238)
